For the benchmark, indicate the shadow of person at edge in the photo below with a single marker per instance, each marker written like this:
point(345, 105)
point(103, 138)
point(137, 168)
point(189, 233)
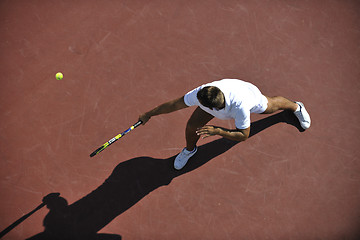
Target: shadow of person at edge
point(129, 182)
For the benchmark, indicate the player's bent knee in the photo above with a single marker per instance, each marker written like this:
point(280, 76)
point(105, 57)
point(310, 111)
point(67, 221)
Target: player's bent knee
point(193, 125)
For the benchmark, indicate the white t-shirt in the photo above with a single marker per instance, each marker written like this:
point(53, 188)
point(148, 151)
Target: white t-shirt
point(241, 99)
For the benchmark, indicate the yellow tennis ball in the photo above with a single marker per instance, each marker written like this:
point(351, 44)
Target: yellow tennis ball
point(59, 76)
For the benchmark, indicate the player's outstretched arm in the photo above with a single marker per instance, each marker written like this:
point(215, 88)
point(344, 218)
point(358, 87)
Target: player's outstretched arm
point(168, 107)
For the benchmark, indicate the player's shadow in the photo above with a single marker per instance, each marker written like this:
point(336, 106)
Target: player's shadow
point(129, 182)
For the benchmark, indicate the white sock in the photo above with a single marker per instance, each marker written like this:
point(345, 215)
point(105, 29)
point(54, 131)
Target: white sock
point(191, 150)
point(298, 108)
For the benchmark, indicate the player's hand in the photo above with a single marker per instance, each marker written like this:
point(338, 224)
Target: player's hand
point(144, 118)
point(207, 131)
point(50, 198)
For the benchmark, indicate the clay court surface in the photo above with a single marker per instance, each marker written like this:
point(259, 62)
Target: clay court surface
point(122, 58)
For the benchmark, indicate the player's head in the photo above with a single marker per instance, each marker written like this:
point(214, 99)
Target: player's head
point(211, 97)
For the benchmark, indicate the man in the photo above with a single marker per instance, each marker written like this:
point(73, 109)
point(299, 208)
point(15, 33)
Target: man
point(224, 99)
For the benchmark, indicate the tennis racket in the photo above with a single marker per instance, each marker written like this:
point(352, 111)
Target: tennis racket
point(114, 139)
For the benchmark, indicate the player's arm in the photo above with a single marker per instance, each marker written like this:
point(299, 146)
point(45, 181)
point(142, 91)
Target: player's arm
point(164, 108)
point(232, 134)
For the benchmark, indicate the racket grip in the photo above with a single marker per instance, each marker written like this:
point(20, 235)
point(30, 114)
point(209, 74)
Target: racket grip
point(137, 124)
point(96, 151)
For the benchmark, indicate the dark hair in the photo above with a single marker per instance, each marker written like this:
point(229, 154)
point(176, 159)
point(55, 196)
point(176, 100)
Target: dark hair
point(210, 97)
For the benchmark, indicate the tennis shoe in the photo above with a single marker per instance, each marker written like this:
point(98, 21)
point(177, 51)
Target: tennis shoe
point(303, 116)
point(183, 158)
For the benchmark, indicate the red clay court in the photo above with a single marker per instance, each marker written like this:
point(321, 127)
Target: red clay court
point(122, 58)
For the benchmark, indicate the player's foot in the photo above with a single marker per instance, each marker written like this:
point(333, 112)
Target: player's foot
point(183, 158)
point(303, 116)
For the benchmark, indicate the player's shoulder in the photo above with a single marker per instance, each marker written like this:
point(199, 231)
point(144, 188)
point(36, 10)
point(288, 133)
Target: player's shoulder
point(227, 81)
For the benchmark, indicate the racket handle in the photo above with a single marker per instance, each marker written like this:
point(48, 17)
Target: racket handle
point(137, 124)
point(96, 151)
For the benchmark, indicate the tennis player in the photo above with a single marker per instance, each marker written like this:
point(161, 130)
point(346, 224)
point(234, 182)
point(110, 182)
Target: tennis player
point(224, 99)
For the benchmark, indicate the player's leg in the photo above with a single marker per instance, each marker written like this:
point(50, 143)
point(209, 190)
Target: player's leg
point(198, 119)
point(280, 103)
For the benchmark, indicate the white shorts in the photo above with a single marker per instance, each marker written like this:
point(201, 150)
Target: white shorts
point(262, 106)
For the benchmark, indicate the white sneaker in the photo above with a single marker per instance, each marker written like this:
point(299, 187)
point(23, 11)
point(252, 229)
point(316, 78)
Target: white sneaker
point(303, 116)
point(183, 157)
